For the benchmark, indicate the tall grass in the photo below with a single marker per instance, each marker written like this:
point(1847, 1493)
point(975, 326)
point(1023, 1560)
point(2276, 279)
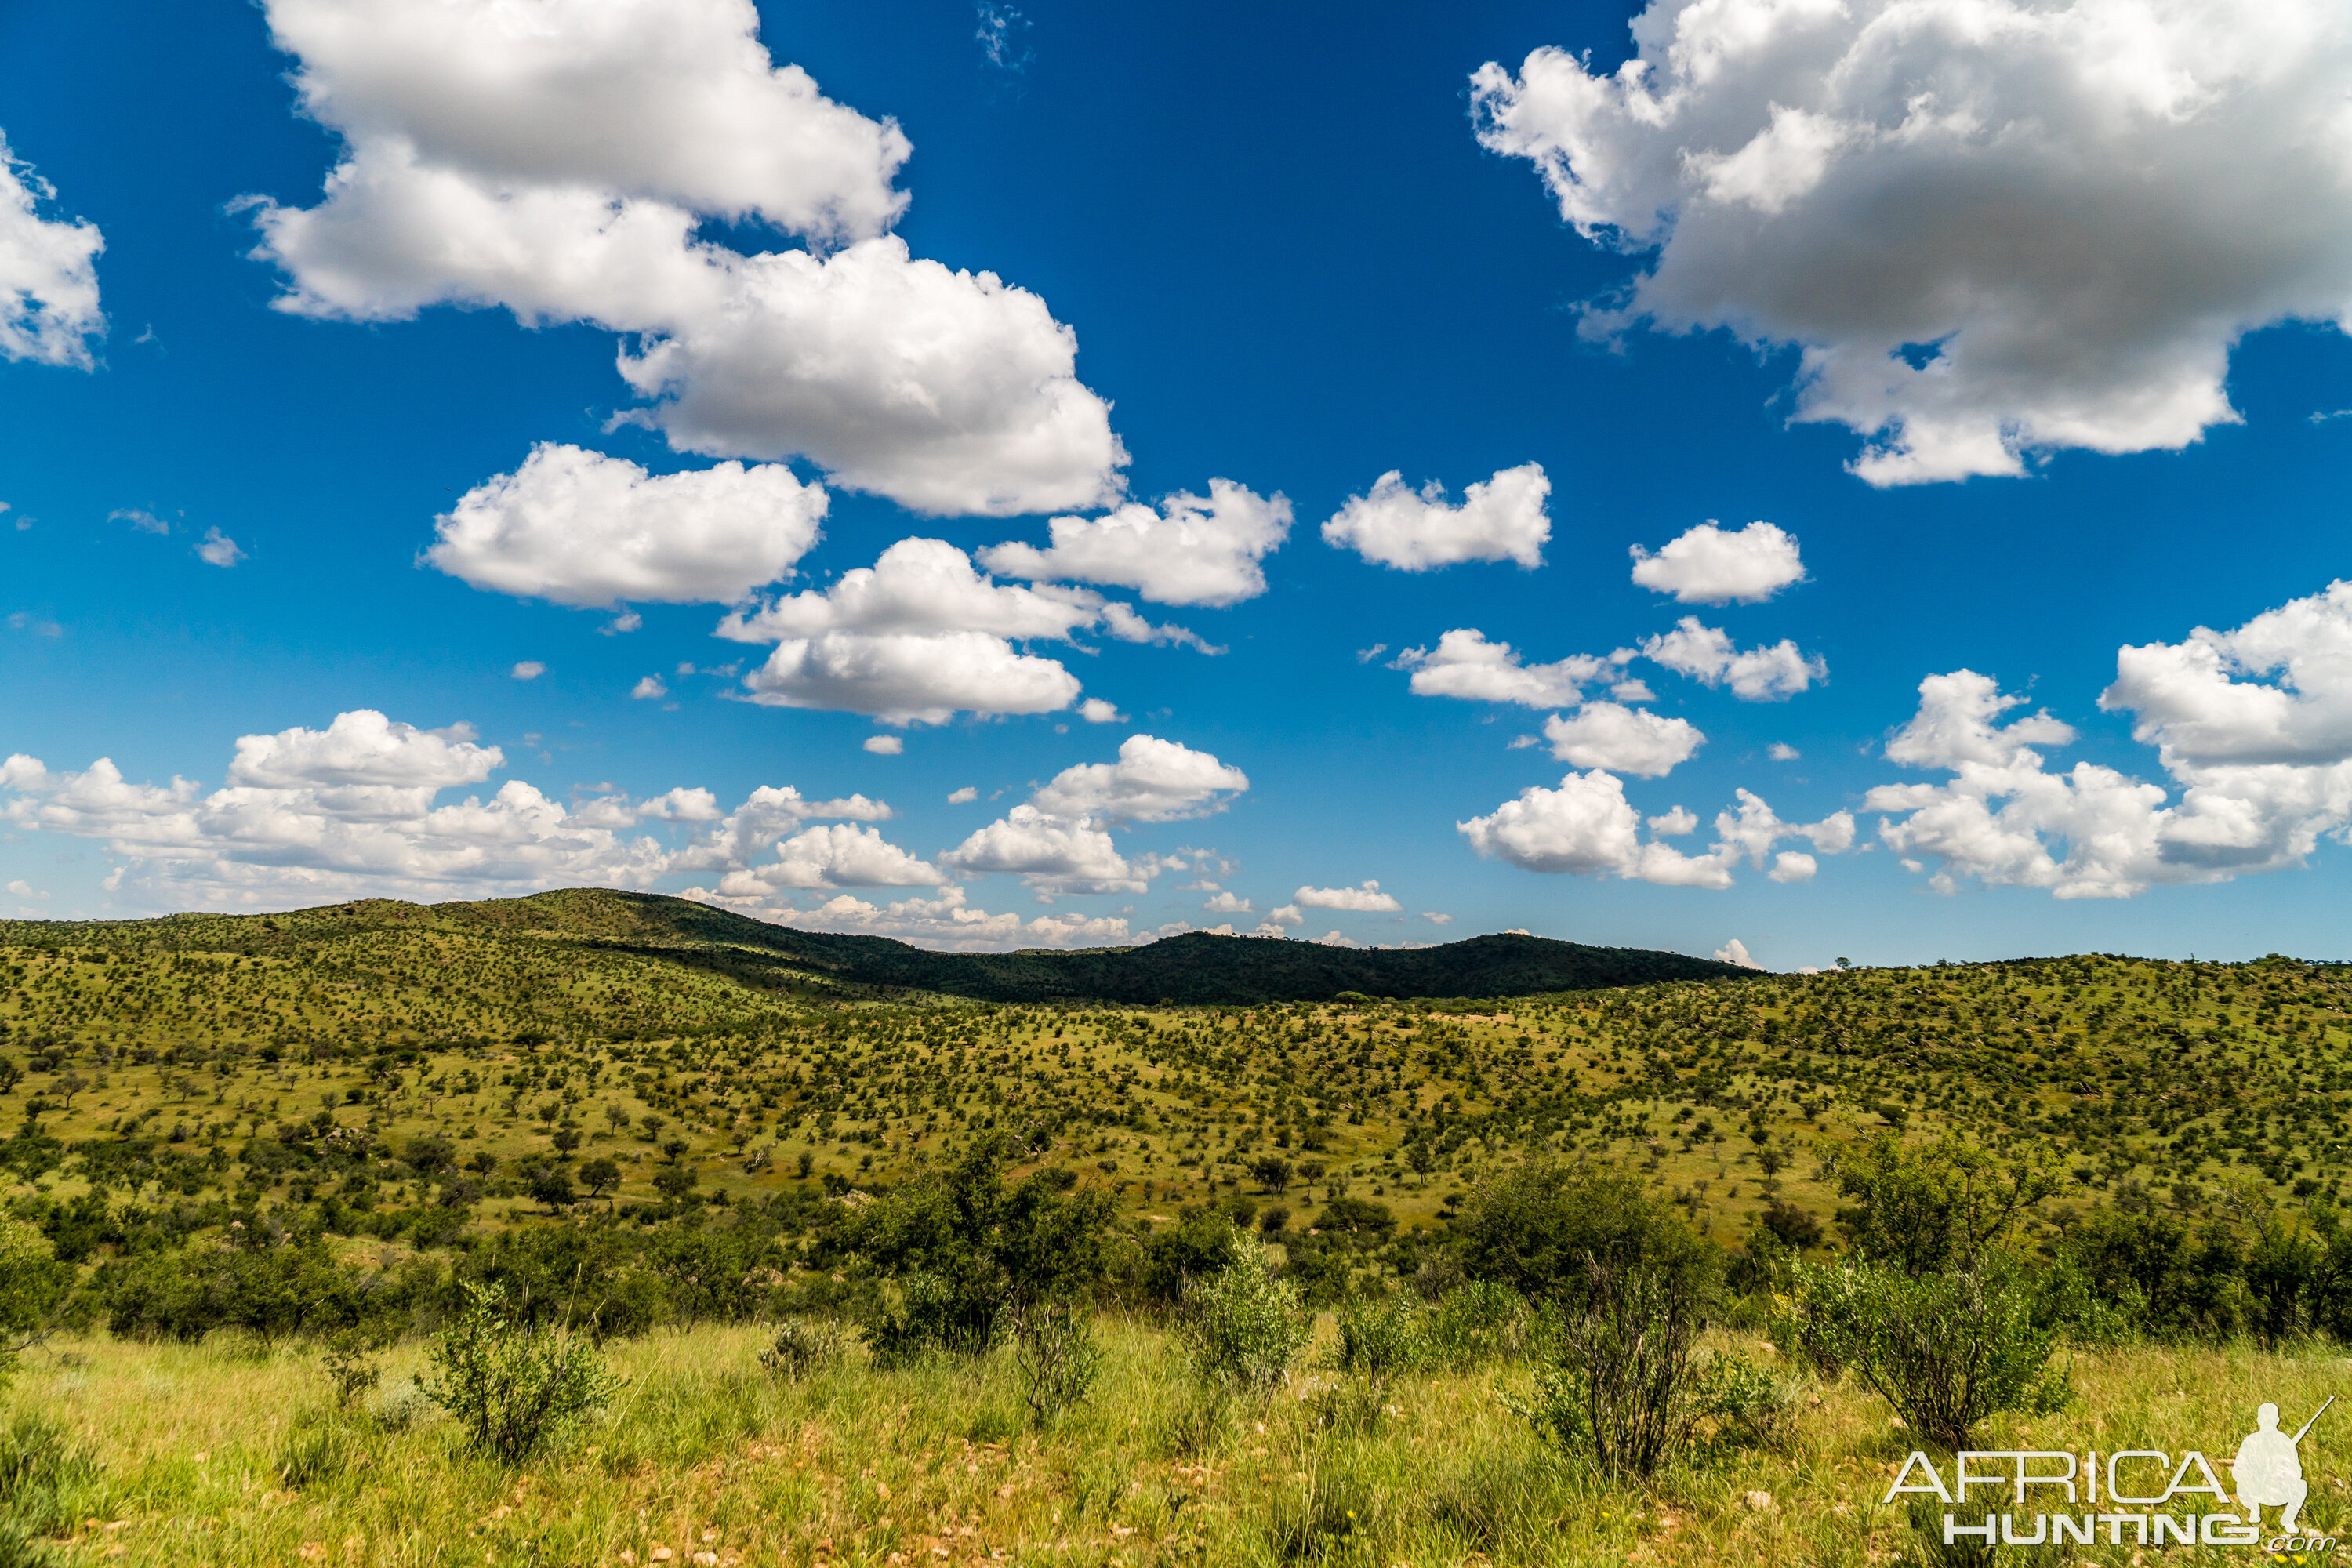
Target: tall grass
point(219, 1454)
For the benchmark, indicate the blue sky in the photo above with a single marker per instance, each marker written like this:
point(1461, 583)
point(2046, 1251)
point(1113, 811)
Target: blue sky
point(1900, 289)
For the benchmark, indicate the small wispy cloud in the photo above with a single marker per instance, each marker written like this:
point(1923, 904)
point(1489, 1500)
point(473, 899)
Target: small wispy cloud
point(140, 518)
point(26, 621)
point(217, 549)
point(999, 34)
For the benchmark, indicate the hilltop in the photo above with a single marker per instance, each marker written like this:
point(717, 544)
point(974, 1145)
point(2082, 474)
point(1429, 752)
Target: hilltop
point(1194, 969)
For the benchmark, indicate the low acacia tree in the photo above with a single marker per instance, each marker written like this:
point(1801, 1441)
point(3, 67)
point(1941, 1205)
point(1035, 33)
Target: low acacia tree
point(967, 1250)
point(1930, 1309)
point(1625, 1288)
point(31, 1282)
point(515, 1388)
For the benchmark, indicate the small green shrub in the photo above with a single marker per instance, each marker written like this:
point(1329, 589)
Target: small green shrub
point(1945, 1350)
point(1478, 1322)
point(1616, 1382)
point(1381, 1338)
point(399, 1408)
point(802, 1347)
point(1243, 1327)
point(515, 1389)
point(351, 1369)
point(1750, 1406)
point(1055, 1350)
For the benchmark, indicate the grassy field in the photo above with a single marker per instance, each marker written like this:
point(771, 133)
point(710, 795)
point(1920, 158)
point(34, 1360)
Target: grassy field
point(219, 1454)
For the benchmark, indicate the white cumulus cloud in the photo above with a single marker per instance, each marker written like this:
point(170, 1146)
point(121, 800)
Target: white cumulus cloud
point(1736, 951)
point(1711, 565)
point(1499, 519)
point(217, 549)
point(948, 922)
point(837, 854)
point(2253, 728)
point(558, 159)
point(1365, 899)
point(1912, 194)
point(580, 528)
point(1153, 781)
point(1192, 550)
point(353, 810)
point(1622, 740)
point(1588, 827)
point(1051, 855)
point(1464, 663)
point(1755, 675)
point(920, 635)
point(49, 274)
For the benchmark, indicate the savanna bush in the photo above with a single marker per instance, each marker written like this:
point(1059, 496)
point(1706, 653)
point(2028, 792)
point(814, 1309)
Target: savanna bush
point(1946, 1350)
point(1381, 1338)
point(515, 1388)
point(802, 1347)
point(1749, 1404)
point(967, 1250)
point(1478, 1322)
point(1541, 1228)
point(1243, 1327)
point(1057, 1356)
point(1616, 1384)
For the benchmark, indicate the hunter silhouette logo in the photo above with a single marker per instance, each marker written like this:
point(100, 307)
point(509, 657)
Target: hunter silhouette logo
point(2269, 1467)
point(2125, 1496)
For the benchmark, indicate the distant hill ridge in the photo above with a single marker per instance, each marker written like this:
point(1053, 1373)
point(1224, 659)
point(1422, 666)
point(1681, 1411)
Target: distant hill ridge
point(1195, 968)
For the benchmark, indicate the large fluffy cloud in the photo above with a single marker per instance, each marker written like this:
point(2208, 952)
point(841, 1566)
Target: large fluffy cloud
point(1622, 740)
point(1192, 551)
point(48, 277)
point(2253, 728)
point(838, 855)
point(557, 159)
point(1465, 664)
point(1500, 519)
point(1051, 855)
point(1712, 565)
point(904, 679)
point(1588, 827)
point(1153, 781)
point(1365, 899)
point(1754, 675)
point(1058, 841)
point(920, 635)
point(309, 815)
point(1947, 205)
point(580, 528)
